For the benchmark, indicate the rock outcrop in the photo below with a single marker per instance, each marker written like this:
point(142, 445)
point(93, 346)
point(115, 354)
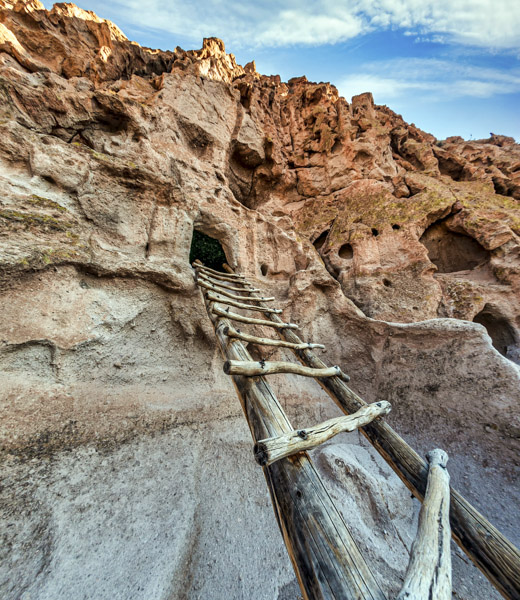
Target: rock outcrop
point(400, 252)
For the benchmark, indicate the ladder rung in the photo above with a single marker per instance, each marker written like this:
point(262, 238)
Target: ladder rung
point(227, 287)
point(218, 273)
point(223, 278)
point(234, 317)
point(234, 333)
point(253, 369)
point(272, 449)
point(215, 298)
point(223, 292)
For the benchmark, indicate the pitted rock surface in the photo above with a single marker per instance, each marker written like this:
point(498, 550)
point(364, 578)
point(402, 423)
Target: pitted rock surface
point(129, 467)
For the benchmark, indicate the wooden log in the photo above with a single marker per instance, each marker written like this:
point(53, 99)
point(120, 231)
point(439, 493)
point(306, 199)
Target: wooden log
point(224, 292)
point(489, 549)
point(429, 571)
point(234, 317)
point(270, 450)
point(218, 273)
point(202, 277)
point(324, 555)
point(215, 298)
point(222, 277)
point(253, 369)
point(253, 339)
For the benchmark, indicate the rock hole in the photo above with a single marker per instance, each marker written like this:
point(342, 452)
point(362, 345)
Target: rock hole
point(346, 252)
point(451, 251)
point(500, 331)
point(396, 227)
point(375, 232)
point(264, 269)
point(502, 186)
point(454, 168)
point(336, 147)
point(208, 250)
point(387, 283)
point(320, 240)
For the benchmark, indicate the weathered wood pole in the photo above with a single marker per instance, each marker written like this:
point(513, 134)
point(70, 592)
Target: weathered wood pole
point(218, 273)
point(246, 337)
point(429, 571)
point(223, 300)
point(269, 451)
point(236, 317)
point(253, 368)
point(224, 292)
point(221, 284)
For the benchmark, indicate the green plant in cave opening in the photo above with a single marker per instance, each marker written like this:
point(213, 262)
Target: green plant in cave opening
point(207, 250)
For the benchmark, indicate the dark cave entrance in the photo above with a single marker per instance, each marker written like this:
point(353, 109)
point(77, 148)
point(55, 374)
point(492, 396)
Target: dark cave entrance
point(498, 327)
point(451, 251)
point(321, 239)
point(208, 250)
point(346, 252)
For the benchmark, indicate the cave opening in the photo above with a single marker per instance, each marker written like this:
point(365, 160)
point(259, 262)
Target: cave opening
point(320, 240)
point(208, 250)
point(500, 330)
point(346, 252)
point(451, 251)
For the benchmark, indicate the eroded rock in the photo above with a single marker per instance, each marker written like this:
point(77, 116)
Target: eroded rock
point(112, 391)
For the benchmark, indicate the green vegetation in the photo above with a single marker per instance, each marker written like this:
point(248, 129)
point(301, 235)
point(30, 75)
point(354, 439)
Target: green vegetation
point(45, 203)
point(34, 219)
point(207, 250)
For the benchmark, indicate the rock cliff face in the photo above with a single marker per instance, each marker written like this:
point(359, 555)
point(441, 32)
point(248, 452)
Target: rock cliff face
point(399, 252)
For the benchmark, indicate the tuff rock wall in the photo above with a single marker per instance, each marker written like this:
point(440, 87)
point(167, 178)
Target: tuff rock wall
point(127, 465)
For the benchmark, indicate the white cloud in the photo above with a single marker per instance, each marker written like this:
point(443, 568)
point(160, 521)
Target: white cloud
point(493, 24)
point(428, 79)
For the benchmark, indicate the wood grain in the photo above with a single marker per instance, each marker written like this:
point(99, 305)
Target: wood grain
point(223, 300)
point(235, 317)
point(253, 339)
point(207, 279)
point(224, 292)
point(270, 450)
point(429, 571)
point(255, 368)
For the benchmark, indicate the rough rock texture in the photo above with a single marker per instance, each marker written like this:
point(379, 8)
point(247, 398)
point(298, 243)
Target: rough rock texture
point(128, 466)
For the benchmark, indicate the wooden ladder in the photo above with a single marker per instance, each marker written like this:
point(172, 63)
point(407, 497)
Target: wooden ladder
point(322, 550)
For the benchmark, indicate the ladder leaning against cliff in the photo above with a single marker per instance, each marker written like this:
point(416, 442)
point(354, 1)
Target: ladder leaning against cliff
point(324, 555)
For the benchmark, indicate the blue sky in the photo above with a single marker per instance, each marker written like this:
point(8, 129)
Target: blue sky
point(452, 67)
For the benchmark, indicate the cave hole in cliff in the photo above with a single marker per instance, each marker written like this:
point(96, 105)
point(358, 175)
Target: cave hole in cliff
point(208, 250)
point(375, 232)
point(346, 252)
point(451, 251)
point(264, 269)
point(320, 240)
point(396, 227)
point(451, 167)
point(500, 330)
point(502, 186)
